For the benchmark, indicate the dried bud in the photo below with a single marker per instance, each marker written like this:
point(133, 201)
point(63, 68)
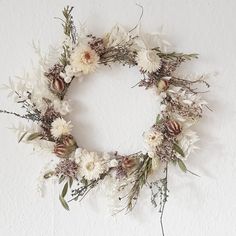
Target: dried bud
point(61, 150)
point(69, 141)
point(173, 127)
point(128, 163)
point(163, 85)
point(58, 85)
point(65, 146)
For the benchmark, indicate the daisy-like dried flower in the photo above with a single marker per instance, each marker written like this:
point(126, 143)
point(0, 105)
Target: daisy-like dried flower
point(84, 59)
point(148, 60)
point(60, 127)
point(153, 137)
point(91, 165)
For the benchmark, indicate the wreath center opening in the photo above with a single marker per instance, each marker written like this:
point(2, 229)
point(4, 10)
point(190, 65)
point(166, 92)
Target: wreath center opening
point(109, 114)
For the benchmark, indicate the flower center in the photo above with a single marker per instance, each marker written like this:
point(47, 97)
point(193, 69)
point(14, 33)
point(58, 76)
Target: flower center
point(87, 56)
point(151, 56)
point(90, 166)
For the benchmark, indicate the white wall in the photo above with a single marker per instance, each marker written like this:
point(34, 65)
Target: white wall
point(203, 206)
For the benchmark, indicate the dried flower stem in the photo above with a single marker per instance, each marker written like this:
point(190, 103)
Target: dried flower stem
point(15, 114)
point(165, 196)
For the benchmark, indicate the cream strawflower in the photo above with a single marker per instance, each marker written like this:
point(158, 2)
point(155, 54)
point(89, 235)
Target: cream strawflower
point(148, 60)
point(84, 59)
point(153, 138)
point(91, 165)
point(60, 127)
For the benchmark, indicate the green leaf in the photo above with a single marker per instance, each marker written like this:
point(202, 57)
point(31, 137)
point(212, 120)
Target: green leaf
point(61, 179)
point(182, 166)
point(64, 203)
point(158, 119)
point(22, 136)
point(64, 190)
point(178, 149)
point(34, 136)
point(70, 182)
point(48, 174)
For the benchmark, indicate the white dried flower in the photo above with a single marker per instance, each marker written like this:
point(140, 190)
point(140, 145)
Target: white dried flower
point(153, 138)
point(91, 165)
point(84, 59)
point(69, 73)
point(60, 127)
point(110, 160)
point(77, 155)
point(62, 107)
point(187, 141)
point(148, 60)
point(117, 36)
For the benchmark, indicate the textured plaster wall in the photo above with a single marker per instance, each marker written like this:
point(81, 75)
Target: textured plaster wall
point(109, 115)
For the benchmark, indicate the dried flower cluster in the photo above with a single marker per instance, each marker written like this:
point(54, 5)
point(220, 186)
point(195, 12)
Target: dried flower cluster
point(169, 141)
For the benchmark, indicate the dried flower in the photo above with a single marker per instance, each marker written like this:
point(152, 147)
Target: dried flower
point(91, 165)
point(57, 85)
point(84, 59)
point(148, 60)
point(173, 127)
point(69, 74)
point(62, 107)
point(68, 140)
point(162, 85)
point(60, 127)
point(68, 168)
point(65, 146)
point(153, 138)
point(187, 141)
point(128, 163)
point(61, 150)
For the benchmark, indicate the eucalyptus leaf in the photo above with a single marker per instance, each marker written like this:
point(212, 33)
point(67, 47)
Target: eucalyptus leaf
point(61, 179)
point(158, 119)
point(182, 166)
point(22, 136)
point(34, 136)
point(178, 149)
point(70, 182)
point(64, 203)
point(48, 175)
point(64, 190)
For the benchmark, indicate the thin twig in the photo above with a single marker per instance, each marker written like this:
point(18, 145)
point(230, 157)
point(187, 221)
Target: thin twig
point(140, 18)
point(164, 200)
point(15, 114)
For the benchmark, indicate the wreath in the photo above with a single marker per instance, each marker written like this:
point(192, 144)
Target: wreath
point(168, 142)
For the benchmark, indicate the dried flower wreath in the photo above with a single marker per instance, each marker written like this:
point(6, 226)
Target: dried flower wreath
point(169, 141)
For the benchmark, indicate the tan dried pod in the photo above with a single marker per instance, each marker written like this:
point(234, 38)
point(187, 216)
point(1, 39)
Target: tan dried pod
point(173, 127)
point(58, 85)
point(61, 150)
point(69, 141)
point(162, 85)
point(128, 163)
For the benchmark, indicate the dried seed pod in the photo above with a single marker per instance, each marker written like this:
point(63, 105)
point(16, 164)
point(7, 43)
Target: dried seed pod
point(61, 150)
point(128, 163)
point(163, 85)
point(173, 127)
point(69, 141)
point(58, 85)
